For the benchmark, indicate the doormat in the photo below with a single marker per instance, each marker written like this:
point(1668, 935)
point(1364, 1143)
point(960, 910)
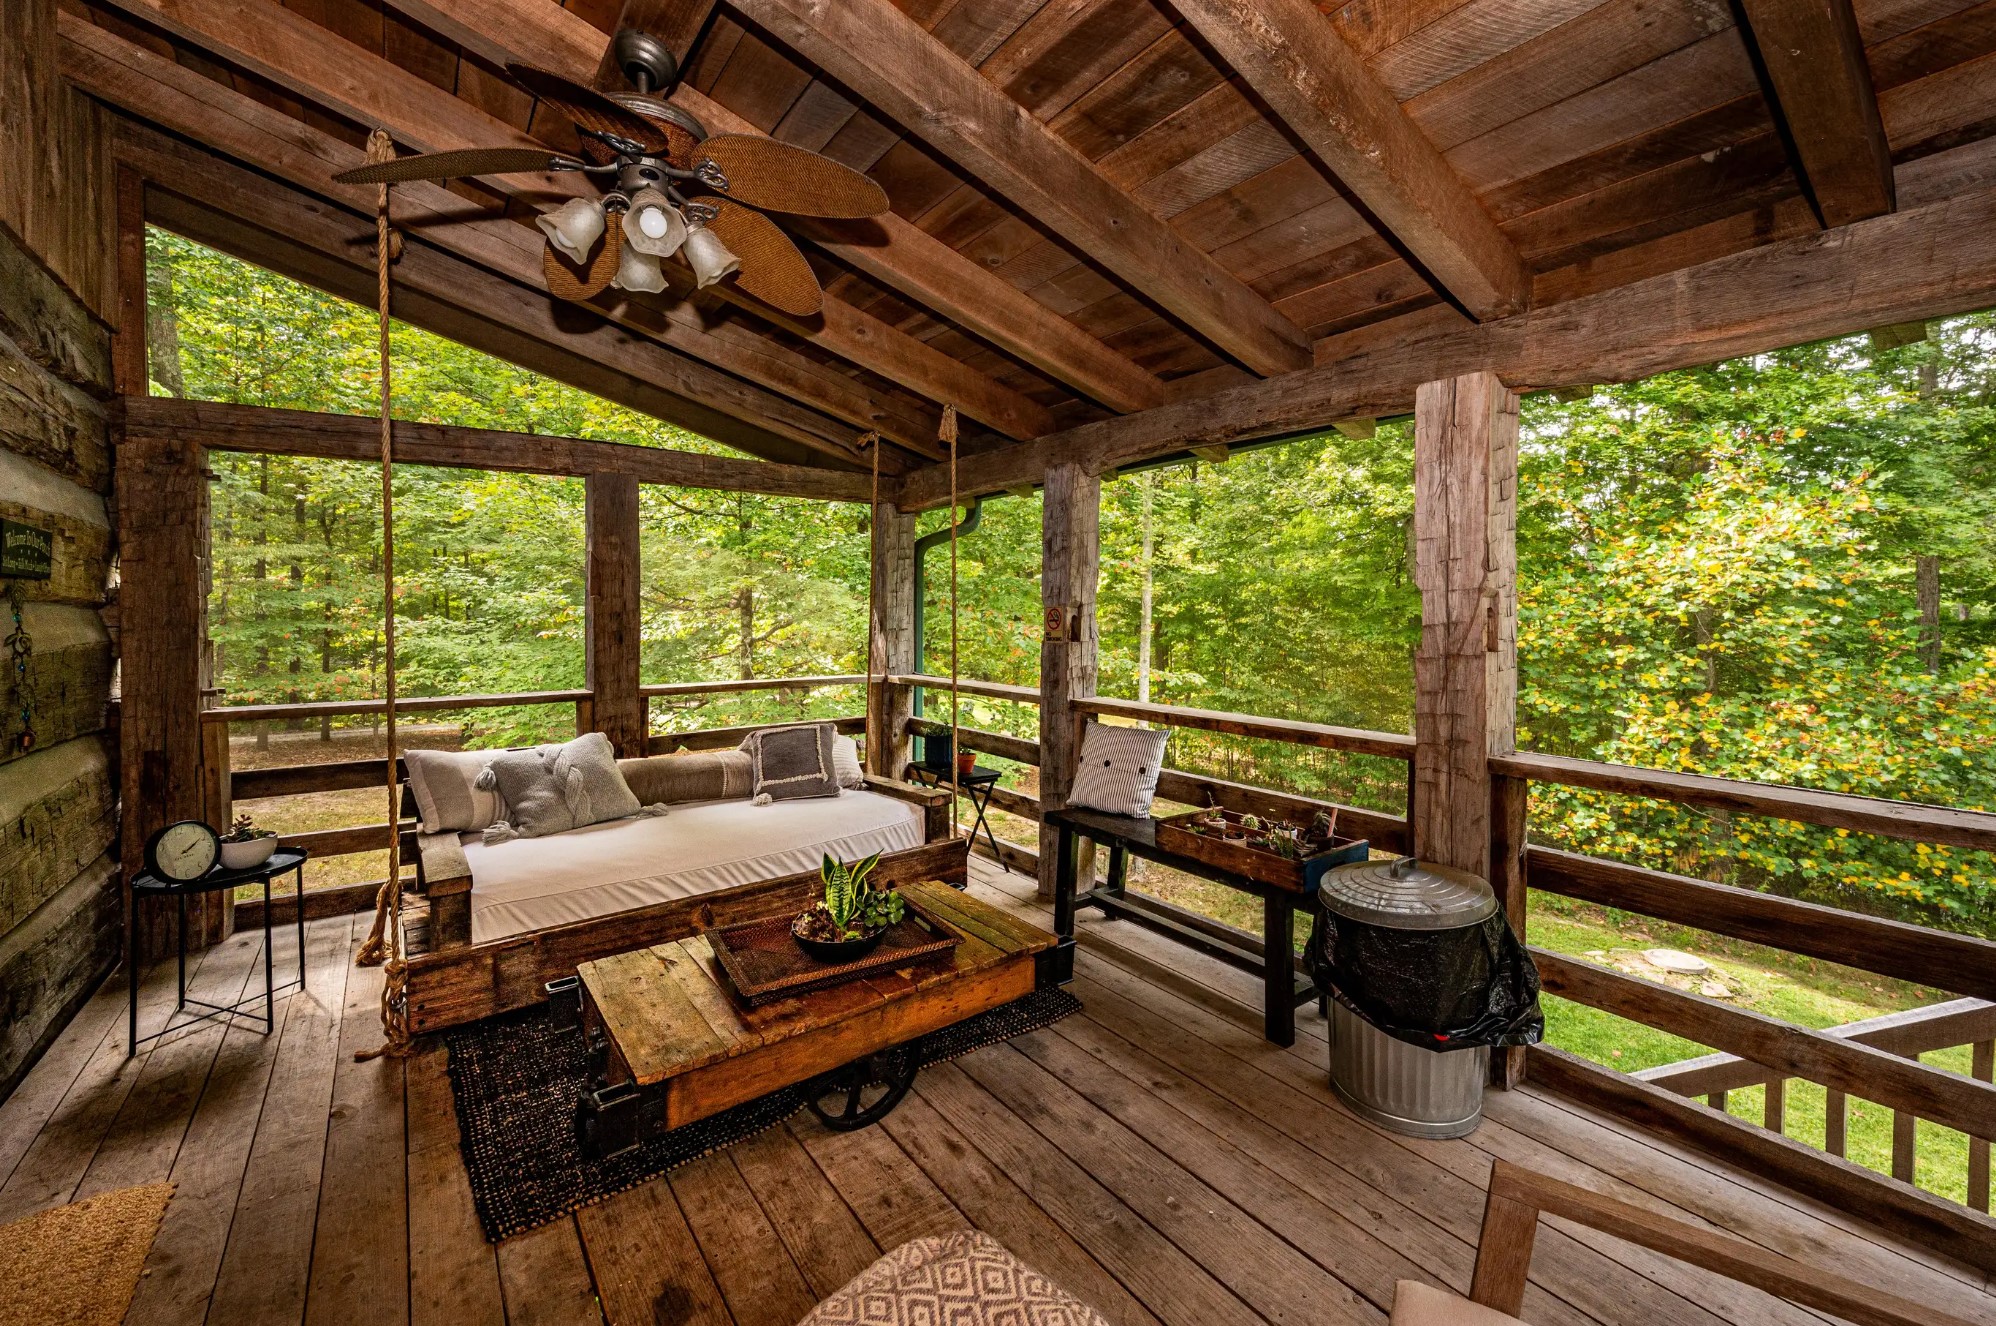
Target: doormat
point(79, 1265)
point(516, 1080)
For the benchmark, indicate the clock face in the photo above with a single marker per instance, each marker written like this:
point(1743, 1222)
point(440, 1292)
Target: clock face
point(184, 851)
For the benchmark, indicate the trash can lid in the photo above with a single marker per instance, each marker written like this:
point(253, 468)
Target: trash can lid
point(1405, 894)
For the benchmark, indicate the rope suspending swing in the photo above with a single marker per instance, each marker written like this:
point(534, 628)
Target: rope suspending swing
point(383, 946)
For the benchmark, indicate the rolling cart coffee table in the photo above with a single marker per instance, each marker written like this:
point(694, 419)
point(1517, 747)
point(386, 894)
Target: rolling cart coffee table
point(670, 1043)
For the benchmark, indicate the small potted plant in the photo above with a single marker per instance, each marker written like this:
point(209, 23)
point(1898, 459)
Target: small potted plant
point(245, 845)
point(851, 917)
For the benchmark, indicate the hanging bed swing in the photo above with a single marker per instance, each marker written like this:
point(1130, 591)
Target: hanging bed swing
point(487, 928)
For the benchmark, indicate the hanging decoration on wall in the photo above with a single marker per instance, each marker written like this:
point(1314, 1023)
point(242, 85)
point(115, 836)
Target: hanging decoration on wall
point(21, 648)
point(669, 191)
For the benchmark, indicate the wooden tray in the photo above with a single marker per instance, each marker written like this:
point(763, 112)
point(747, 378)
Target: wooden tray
point(1302, 874)
point(763, 962)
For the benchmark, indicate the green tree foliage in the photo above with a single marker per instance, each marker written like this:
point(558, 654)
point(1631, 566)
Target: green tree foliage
point(1717, 573)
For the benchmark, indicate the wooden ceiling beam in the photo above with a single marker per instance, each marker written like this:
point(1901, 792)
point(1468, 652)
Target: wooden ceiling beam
point(677, 23)
point(264, 431)
point(1818, 84)
point(287, 48)
point(885, 57)
point(1289, 53)
point(134, 79)
point(262, 221)
point(1901, 267)
point(890, 249)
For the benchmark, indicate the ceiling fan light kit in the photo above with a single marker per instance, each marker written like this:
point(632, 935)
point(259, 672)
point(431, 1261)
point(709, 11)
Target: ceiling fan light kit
point(669, 189)
point(653, 225)
point(710, 258)
point(574, 227)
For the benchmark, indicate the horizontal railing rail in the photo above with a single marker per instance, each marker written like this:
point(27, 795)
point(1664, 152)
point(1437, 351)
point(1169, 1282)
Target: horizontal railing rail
point(1910, 820)
point(992, 690)
point(1390, 745)
point(1913, 1032)
point(419, 704)
point(749, 684)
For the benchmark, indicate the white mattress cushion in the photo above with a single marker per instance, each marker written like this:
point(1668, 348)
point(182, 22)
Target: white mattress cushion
point(534, 883)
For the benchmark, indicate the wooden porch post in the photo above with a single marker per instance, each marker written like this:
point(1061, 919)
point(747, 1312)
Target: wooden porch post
point(893, 635)
point(1070, 559)
point(1466, 670)
point(161, 490)
point(610, 505)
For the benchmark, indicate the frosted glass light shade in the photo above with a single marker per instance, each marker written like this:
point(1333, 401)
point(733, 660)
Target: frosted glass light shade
point(709, 257)
point(654, 225)
point(638, 270)
point(574, 227)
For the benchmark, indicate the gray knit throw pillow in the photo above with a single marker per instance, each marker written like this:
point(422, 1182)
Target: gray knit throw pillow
point(551, 789)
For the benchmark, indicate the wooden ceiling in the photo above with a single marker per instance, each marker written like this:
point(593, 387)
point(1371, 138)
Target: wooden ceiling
point(1106, 206)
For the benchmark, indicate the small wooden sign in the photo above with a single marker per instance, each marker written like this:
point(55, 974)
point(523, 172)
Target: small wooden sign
point(27, 552)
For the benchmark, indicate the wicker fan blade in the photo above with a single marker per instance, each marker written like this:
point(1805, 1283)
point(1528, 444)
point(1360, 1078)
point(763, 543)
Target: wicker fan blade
point(590, 110)
point(772, 268)
point(765, 173)
point(579, 282)
point(452, 165)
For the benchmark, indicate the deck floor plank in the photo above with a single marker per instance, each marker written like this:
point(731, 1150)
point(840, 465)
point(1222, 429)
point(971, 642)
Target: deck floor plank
point(646, 1265)
point(1151, 1153)
point(267, 1262)
point(1001, 1209)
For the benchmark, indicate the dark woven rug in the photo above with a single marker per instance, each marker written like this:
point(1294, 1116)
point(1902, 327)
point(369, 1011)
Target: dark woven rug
point(516, 1079)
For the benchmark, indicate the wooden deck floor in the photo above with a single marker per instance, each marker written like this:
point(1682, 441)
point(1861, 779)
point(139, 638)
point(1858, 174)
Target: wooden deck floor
point(1153, 1154)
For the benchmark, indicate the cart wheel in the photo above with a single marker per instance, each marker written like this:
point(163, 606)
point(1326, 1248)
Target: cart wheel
point(864, 1091)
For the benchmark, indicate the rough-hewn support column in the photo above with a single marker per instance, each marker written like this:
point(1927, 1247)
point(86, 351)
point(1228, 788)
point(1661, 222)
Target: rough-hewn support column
point(892, 626)
point(614, 624)
point(1070, 559)
point(1466, 670)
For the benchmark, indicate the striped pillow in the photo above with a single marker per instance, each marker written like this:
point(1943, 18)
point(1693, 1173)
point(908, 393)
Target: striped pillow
point(1118, 769)
point(447, 796)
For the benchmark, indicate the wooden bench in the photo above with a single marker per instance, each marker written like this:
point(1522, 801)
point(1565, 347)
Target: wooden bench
point(1283, 987)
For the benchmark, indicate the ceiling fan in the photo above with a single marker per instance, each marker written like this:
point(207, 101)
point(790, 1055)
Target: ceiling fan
point(669, 188)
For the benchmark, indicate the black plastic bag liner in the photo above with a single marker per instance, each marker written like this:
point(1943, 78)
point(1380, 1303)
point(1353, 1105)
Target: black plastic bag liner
point(1446, 989)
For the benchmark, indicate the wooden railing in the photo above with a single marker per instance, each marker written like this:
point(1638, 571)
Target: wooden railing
point(1947, 1026)
point(1876, 1060)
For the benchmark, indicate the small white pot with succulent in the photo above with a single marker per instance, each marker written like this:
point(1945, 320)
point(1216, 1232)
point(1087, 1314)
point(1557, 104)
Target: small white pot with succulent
point(245, 845)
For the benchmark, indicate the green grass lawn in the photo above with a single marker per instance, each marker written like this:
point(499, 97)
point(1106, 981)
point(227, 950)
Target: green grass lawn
point(1782, 985)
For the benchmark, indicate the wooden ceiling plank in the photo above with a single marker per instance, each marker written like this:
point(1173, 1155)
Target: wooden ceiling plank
point(1323, 92)
point(1468, 36)
point(1900, 267)
point(880, 54)
point(184, 101)
point(268, 40)
point(1819, 86)
point(889, 248)
point(676, 23)
point(1937, 111)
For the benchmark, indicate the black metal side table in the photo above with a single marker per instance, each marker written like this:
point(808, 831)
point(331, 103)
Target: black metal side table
point(147, 885)
point(978, 785)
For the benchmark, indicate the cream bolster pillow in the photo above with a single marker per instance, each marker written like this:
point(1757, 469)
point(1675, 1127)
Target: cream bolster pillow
point(445, 785)
point(1118, 768)
point(845, 762)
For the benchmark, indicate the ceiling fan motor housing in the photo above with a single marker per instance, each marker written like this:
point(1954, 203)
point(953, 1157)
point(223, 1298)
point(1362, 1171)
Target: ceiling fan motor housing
point(646, 61)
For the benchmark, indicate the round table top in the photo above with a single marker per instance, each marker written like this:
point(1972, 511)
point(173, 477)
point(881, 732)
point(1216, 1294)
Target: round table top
point(283, 859)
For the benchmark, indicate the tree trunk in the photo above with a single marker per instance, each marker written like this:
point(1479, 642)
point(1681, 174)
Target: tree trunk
point(1149, 585)
point(163, 327)
point(1927, 592)
point(745, 609)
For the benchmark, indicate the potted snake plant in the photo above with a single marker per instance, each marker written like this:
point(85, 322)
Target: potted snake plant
point(848, 920)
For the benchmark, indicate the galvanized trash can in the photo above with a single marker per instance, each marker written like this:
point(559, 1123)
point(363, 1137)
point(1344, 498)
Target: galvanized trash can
point(1424, 976)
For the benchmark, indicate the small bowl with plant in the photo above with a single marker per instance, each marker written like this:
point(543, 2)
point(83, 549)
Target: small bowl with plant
point(245, 845)
point(848, 920)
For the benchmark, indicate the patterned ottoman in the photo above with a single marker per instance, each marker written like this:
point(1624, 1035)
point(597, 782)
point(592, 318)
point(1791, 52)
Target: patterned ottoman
point(966, 1279)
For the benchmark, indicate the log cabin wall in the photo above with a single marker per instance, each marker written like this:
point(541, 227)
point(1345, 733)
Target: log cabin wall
point(59, 910)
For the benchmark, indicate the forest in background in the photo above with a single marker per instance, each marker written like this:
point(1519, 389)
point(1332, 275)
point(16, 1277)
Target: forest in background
point(1780, 568)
